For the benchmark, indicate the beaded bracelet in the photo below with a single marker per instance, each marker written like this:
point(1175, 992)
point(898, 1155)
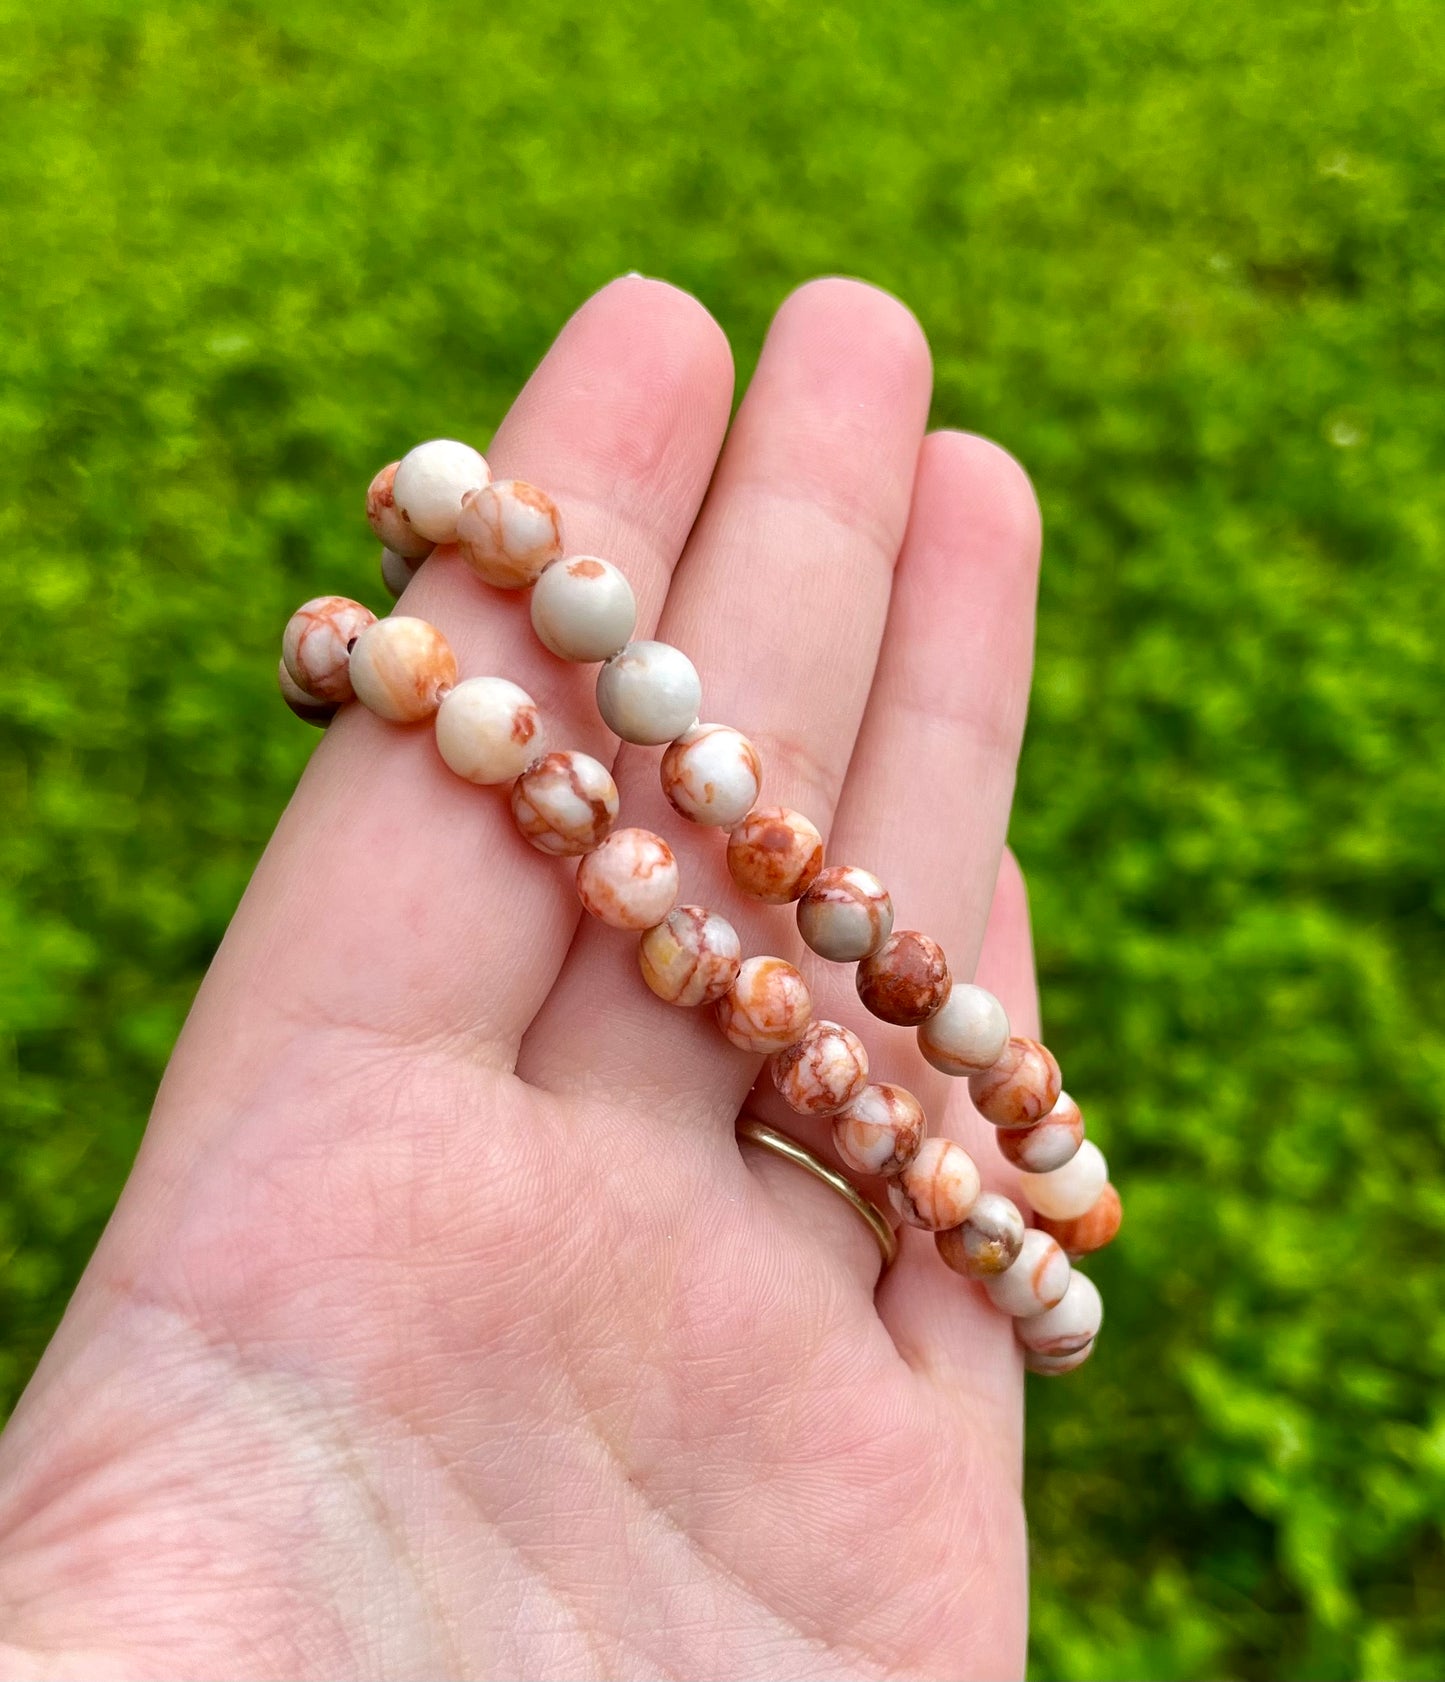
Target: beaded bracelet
point(566, 804)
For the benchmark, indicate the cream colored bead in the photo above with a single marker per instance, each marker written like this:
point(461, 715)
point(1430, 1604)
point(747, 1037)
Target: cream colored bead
point(774, 854)
point(881, 1130)
point(1049, 1143)
point(988, 1242)
point(692, 957)
point(1097, 1226)
point(1036, 1281)
point(317, 643)
point(386, 521)
point(938, 1188)
point(1067, 1327)
point(583, 609)
point(1021, 1088)
point(565, 804)
point(967, 1033)
point(712, 774)
point(1065, 1193)
point(508, 531)
point(303, 705)
point(823, 1071)
point(430, 484)
point(649, 693)
point(630, 881)
point(766, 1008)
point(488, 730)
point(1050, 1366)
point(396, 572)
point(906, 980)
point(401, 668)
point(846, 914)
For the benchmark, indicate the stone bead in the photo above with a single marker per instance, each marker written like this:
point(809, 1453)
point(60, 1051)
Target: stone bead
point(767, 1007)
point(1065, 1193)
point(775, 854)
point(508, 532)
point(1049, 1143)
point(396, 572)
point(823, 1071)
point(1036, 1281)
point(303, 705)
point(1097, 1226)
point(692, 957)
point(583, 609)
point(630, 881)
point(1067, 1327)
point(988, 1242)
point(712, 774)
point(649, 693)
point(385, 519)
point(906, 980)
point(938, 1188)
point(967, 1033)
point(488, 730)
point(1050, 1366)
point(1021, 1088)
point(317, 643)
point(881, 1131)
point(401, 668)
point(565, 804)
point(431, 483)
point(846, 914)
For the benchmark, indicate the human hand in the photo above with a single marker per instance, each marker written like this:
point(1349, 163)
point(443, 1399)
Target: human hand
point(443, 1328)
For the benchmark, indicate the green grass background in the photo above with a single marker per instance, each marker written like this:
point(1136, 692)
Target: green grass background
point(1188, 262)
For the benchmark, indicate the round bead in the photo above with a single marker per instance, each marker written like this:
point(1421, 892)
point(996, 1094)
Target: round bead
point(430, 484)
point(630, 881)
point(565, 804)
point(1067, 1327)
point(766, 1008)
point(649, 693)
point(303, 705)
point(967, 1033)
point(988, 1242)
point(386, 521)
point(774, 854)
point(1050, 1366)
point(401, 668)
point(583, 609)
point(881, 1131)
point(1036, 1281)
point(846, 914)
point(692, 957)
point(905, 980)
point(1021, 1088)
point(488, 730)
point(396, 572)
point(508, 531)
point(317, 642)
point(1097, 1226)
point(823, 1071)
point(1049, 1143)
point(712, 774)
point(938, 1188)
point(1065, 1193)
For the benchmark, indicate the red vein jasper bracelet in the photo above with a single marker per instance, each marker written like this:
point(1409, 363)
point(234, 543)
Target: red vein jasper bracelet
point(565, 803)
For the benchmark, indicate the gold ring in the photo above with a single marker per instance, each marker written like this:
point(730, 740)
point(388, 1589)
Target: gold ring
point(756, 1133)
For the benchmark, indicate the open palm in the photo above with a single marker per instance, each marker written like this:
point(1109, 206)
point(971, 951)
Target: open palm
point(443, 1329)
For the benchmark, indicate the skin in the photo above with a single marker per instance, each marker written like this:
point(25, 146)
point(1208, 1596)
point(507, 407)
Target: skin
point(443, 1329)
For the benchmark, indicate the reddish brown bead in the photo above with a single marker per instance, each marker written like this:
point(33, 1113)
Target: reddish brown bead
point(905, 980)
point(1021, 1088)
point(1089, 1232)
point(774, 854)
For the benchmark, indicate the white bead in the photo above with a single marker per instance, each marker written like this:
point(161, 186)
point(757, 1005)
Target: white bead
point(1065, 1193)
point(967, 1034)
point(508, 532)
point(387, 523)
point(488, 730)
point(649, 693)
point(846, 914)
point(938, 1188)
point(1069, 1325)
point(431, 481)
point(711, 774)
point(630, 881)
point(565, 804)
point(396, 572)
point(583, 609)
point(401, 668)
point(1036, 1281)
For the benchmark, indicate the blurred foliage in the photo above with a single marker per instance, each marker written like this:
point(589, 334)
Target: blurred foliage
point(1188, 262)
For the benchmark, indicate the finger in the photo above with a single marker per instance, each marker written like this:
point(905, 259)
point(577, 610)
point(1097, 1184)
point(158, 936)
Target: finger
point(781, 600)
point(394, 897)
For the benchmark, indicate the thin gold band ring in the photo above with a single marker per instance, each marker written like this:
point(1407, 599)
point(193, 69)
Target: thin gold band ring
point(757, 1133)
